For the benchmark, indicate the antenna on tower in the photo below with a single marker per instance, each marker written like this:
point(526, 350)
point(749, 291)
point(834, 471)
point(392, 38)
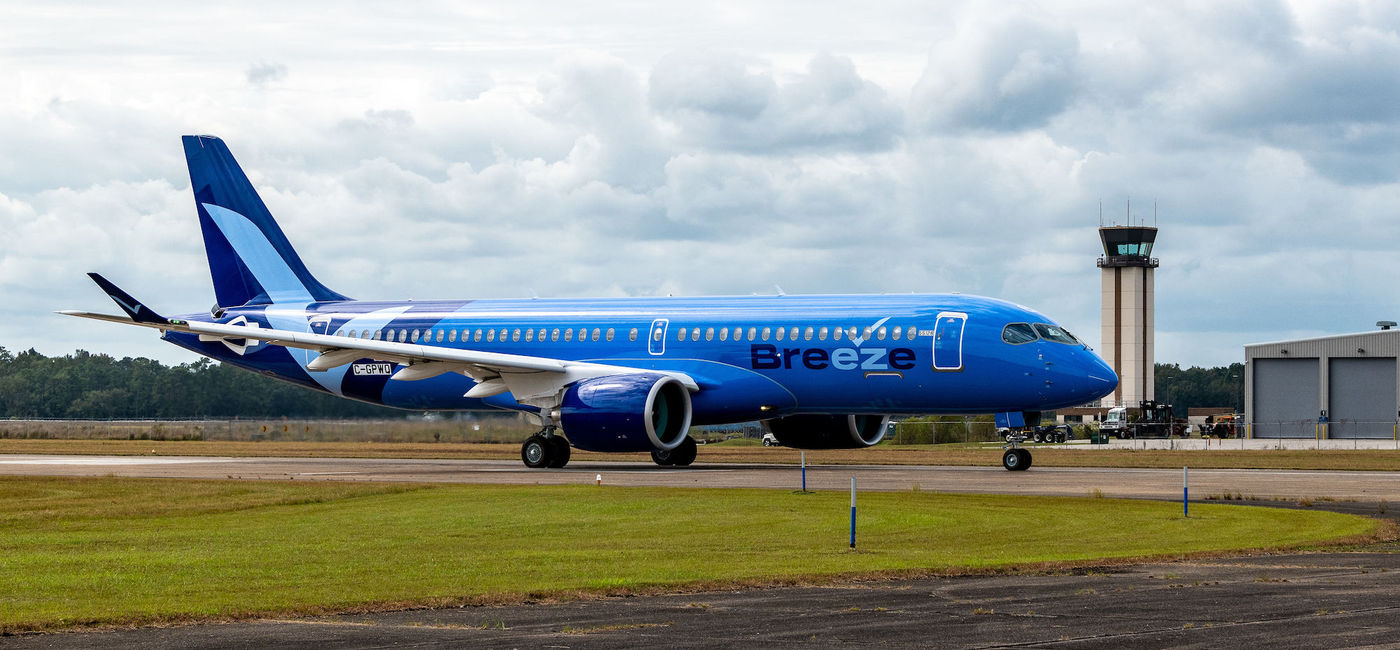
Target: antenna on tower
point(1100, 213)
point(1130, 211)
point(1154, 213)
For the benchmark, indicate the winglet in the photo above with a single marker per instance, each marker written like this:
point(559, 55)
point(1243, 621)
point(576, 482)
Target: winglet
point(133, 308)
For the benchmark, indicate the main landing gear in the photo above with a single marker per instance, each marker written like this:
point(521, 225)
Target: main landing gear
point(682, 455)
point(545, 449)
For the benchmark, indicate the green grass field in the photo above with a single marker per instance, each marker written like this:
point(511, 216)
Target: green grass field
point(115, 551)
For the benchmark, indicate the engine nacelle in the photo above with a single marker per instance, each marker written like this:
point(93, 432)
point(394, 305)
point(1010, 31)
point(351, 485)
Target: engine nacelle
point(829, 431)
point(638, 412)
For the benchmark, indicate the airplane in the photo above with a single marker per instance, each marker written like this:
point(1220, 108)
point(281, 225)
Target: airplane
point(617, 374)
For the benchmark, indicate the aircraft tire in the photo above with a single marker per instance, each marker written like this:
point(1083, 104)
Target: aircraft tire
point(685, 453)
point(536, 452)
point(663, 457)
point(1016, 460)
point(1011, 460)
point(561, 451)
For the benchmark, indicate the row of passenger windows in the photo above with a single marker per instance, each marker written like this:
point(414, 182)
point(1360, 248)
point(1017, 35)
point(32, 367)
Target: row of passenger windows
point(896, 333)
point(792, 333)
point(491, 335)
point(1018, 333)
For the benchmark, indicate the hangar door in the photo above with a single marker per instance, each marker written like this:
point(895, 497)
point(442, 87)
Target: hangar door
point(1362, 396)
point(1286, 396)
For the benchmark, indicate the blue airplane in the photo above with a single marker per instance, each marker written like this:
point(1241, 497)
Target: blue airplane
point(617, 374)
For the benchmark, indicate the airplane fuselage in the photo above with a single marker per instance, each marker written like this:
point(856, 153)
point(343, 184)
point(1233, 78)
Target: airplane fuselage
point(754, 357)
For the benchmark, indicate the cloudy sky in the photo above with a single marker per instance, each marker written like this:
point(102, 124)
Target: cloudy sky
point(494, 149)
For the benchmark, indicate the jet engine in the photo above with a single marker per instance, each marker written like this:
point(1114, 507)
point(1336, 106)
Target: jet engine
point(633, 412)
point(829, 431)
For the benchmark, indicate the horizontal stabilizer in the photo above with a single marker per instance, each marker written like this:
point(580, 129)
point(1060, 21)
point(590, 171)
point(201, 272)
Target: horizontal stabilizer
point(133, 308)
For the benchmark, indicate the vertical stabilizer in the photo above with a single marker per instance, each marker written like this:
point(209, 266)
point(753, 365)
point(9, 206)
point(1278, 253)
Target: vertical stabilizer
point(250, 258)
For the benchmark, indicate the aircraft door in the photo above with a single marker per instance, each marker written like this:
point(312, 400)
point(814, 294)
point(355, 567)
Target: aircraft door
point(319, 325)
point(947, 341)
point(656, 340)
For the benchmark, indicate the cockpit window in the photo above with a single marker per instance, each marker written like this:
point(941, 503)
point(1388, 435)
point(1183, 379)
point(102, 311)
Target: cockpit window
point(1018, 333)
point(1054, 333)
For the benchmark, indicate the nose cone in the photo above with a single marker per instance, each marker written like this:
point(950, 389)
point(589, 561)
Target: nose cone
point(1099, 380)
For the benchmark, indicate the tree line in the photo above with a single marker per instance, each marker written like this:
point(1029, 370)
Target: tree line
point(84, 385)
point(1196, 387)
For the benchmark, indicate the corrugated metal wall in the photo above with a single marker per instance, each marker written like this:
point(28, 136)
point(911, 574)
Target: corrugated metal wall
point(1352, 376)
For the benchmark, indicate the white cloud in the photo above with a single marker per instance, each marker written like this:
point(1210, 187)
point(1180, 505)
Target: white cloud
point(492, 149)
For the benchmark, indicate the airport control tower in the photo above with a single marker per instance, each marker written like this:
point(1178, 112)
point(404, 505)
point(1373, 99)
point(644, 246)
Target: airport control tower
point(1128, 265)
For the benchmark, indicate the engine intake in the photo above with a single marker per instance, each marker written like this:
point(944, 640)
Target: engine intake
point(638, 412)
point(829, 431)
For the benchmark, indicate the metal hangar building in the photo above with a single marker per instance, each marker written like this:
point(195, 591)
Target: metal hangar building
point(1342, 386)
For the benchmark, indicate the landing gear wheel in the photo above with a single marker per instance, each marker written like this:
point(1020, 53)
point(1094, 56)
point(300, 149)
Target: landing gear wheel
point(663, 457)
point(685, 453)
point(561, 451)
point(1016, 460)
point(537, 451)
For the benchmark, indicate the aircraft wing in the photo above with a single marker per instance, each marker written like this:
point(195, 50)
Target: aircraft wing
point(529, 379)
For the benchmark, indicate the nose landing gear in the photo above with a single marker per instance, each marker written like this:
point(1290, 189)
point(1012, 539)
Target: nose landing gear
point(1015, 459)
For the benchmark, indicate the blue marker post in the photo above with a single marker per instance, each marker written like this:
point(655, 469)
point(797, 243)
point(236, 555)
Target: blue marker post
point(1185, 487)
point(804, 472)
point(853, 512)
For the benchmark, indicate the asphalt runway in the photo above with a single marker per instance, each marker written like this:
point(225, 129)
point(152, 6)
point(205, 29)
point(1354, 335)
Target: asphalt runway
point(1259, 485)
point(1334, 599)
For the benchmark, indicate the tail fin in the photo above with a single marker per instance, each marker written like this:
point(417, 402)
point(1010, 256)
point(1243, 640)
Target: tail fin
point(249, 257)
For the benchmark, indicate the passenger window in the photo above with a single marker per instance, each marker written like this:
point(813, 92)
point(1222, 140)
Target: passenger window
point(898, 333)
point(502, 335)
point(766, 332)
point(403, 336)
point(632, 334)
point(782, 332)
point(680, 333)
point(656, 334)
point(821, 334)
point(724, 333)
point(912, 333)
point(709, 333)
point(753, 332)
point(837, 333)
point(695, 334)
point(880, 334)
point(792, 333)
point(490, 335)
point(515, 334)
point(451, 336)
point(554, 334)
point(439, 336)
point(597, 333)
point(476, 336)
point(582, 334)
point(414, 336)
point(529, 335)
point(1018, 333)
point(867, 332)
point(807, 334)
point(851, 333)
point(609, 334)
point(568, 335)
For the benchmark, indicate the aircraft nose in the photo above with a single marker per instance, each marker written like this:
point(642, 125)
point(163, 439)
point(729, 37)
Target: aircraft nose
point(1097, 378)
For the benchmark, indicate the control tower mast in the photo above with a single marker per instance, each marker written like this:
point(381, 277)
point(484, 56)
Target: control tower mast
point(1128, 265)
